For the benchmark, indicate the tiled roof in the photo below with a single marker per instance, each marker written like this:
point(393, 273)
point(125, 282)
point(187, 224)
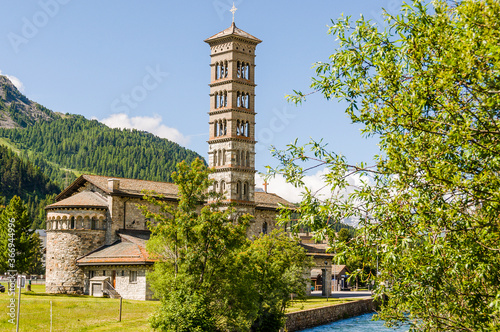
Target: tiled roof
point(233, 30)
point(319, 248)
point(169, 190)
point(130, 249)
point(270, 200)
point(83, 199)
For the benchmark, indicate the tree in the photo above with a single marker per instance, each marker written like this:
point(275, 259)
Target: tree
point(208, 275)
point(18, 239)
point(428, 87)
point(275, 266)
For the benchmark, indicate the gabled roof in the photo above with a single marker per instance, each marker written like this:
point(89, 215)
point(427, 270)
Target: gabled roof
point(233, 31)
point(127, 186)
point(133, 187)
point(130, 249)
point(83, 199)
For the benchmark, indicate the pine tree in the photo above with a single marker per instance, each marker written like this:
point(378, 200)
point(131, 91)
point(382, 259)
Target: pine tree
point(18, 238)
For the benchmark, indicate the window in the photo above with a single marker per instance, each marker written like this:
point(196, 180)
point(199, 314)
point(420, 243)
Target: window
point(93, 225)
point(103, 273)
point(123, 273)
point(91, 274)
point(72, 219)
point(133, 277)
point(264, 228)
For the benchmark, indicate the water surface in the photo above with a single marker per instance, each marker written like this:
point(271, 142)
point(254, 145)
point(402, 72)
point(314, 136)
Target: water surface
point(355, 324)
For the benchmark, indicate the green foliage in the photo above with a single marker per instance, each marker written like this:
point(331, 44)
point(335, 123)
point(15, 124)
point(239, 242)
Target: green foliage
point(18, 177)
point(274, 265)
point(19, 239)
point(428, 88)
point(89, 146)
point(209, 276)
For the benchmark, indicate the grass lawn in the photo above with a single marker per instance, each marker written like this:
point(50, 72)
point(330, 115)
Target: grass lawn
point(316, 302)
point(75, 313)
point(86, 313)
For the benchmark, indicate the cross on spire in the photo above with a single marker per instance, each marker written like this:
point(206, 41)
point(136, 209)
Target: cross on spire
point(233, 10)
point(265, 184)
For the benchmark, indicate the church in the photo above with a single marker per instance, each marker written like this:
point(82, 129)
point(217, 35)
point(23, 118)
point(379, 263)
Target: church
point(96, 234)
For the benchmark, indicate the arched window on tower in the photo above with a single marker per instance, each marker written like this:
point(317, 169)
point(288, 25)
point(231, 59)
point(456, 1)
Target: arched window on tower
point(223, 156)
point(225, 98)
point(238, 69)
point(215, 158)
point(242, 128)
point(238, 99)
point(93, 223)
point(222, 186)
point(238, 128)
point(220, 158)
point(217, 71)
point(72, 222)
point(245, 191)
point(264, 227)
point(237, 158)
point(216, 100)
point(248, 159)
point(248, 101)
point(216, 186)
point(242, 158)
point(244, 100)
point(225, 68)
point(224, 127)
point(238, 189)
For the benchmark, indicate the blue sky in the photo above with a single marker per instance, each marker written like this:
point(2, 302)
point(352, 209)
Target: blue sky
point(83, 57)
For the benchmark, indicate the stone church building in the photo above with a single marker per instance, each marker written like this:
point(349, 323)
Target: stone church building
point(96, 234)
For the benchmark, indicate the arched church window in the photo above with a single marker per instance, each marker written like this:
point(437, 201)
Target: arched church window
point(215, 158)
point(242, 158)
point(237, 158)
point(93, 223)
point(245, 191)
point(222, 186)
point(220, 158)
point(216, 100)
point(225, 98)
point(238, 127)
point(225, 68)
point(244, 100)
point(238, 69)
point(223, 156)
point(224, 126)
point(72, 222)
point(248, 159)
point(242, 129)
point(264, 227)
point(238, 189)
point(217, 71)
point(238, 99)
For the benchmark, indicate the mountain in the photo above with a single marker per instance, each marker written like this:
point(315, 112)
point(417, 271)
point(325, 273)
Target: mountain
point(64, 146)
point(18, 111)
point(21, 178)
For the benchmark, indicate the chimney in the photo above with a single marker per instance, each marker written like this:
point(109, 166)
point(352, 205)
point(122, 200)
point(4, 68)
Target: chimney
point(113, 185)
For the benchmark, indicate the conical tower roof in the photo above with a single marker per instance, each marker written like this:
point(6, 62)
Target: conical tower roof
point(233, 31)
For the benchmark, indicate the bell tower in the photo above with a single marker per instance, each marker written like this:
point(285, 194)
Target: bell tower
point(232, 115)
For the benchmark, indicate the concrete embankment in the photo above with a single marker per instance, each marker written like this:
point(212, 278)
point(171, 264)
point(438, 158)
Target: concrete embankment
point(304, 319)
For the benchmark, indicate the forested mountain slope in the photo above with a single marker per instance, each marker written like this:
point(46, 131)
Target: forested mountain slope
point(51, 149)
point(21, 178)
point(91, 147)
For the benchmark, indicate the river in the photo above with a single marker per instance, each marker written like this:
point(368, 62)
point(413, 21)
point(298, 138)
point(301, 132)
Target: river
point(355, 324)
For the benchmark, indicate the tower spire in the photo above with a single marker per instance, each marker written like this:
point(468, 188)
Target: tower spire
point(233, 10)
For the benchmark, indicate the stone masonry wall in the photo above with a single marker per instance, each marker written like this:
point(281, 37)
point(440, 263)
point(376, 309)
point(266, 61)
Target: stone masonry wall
point(304, 319)
point(63, 249)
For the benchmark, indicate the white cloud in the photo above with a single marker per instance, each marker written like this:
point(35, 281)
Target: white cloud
point(314, 182)
point(152, 124)
point(16, 81)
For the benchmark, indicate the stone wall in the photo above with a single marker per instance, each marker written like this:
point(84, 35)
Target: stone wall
point(304, 319)
point(63, 249)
